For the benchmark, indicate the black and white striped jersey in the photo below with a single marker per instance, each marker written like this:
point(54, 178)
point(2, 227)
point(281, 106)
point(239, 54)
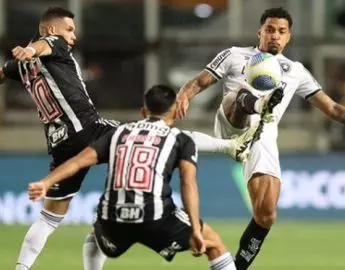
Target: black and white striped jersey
point(141, 158)
point(56, 85)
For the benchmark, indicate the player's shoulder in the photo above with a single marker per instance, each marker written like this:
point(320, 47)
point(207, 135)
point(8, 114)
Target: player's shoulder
point(243, 51)
point(288, 65)
point(56, 41)
point(231, 54)
point(52, 38)
point(283, 59)
point(237, 51)
point(185, 137)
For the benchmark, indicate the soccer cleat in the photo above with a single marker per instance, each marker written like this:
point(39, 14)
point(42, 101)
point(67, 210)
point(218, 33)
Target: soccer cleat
point(244, 142)
point(270, 102)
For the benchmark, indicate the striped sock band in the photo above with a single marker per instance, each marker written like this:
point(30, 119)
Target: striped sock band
point(223, 262)
point(51, 218)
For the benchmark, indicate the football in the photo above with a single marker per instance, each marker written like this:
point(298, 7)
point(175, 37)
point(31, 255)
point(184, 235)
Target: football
point(263, 72)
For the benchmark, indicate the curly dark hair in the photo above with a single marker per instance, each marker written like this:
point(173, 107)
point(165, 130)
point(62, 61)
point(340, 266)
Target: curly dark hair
point(56, 12)
point(279, 12)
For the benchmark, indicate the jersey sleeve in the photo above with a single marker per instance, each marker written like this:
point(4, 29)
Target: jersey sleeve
point(188, 150)
point(58, 44)
point(11, 70)
point(308, 86)
point(102, 146)
point(220, 65)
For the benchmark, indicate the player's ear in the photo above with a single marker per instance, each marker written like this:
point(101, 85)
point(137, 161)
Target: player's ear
point(51, 30)
point(259, 33)
point(144, 112)
point(173, 110)
point(289, 36)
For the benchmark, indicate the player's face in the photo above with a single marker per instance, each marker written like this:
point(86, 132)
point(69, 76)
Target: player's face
point(274, 34)
point(64, 27)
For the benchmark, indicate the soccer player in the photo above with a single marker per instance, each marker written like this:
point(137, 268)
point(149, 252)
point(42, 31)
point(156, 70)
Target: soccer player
point(52, 77)
point(240, 107)
point(136, 206)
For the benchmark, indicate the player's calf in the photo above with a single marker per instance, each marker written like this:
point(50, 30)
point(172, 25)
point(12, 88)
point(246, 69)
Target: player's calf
point(50, 218)
point(218, 256)
point(264, 191)
point(36, 238)
point(93, 258)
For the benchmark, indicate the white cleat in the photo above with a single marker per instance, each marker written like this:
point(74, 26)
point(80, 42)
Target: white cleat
point(269, 102)
point(244, 142)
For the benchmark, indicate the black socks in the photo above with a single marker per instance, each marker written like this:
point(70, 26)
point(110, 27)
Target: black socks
point(250, 244)
point(245, 101)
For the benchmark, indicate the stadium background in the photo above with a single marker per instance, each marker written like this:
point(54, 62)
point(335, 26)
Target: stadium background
point(127, 45)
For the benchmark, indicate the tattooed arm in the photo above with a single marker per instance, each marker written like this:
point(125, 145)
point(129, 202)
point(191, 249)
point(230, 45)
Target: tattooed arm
point(332, 109)
point(193, 87)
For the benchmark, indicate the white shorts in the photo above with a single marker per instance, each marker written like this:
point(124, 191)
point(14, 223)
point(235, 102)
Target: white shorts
point(264, 157)
point(222, 127)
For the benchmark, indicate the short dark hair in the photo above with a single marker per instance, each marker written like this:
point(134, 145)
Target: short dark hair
point(279, 12)
point(159, 99)
point(55, 13)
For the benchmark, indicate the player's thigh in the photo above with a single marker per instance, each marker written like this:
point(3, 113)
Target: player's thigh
point(168, 236)
point(67, 188)
point(262, 171)
point(264, 157)
point(222, 126)
point(58, 207)
point(114, 239)
point(102, 127)
point(264, 192)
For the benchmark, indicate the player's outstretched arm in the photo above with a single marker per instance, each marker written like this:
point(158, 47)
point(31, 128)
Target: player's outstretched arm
point(199, 83)
point(86, 158)
point(332, 109)
point(34, 49)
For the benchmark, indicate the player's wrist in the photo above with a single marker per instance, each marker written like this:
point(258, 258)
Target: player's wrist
point(196, 228)
point(47, 184)
point(32, 50)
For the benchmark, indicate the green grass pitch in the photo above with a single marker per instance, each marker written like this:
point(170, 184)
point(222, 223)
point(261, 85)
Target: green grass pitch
point(308, 245)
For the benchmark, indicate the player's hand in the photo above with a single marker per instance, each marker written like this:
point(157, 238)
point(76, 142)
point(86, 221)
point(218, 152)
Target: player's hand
point(22, 54)
point(2, 76)
point(197, 244)
point(182, 103)
point(37, 191)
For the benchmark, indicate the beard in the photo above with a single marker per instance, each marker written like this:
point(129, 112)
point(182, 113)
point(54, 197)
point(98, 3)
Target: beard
point(273, 50)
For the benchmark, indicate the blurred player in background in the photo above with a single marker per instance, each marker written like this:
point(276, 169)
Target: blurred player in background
point(52, 76)
point(240, 107)
point(136, 206)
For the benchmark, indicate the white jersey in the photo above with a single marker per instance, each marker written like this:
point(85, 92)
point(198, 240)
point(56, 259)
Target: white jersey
point(229, 66)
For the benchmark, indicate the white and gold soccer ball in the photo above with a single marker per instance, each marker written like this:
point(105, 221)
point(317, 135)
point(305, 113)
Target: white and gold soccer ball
point(263, 72)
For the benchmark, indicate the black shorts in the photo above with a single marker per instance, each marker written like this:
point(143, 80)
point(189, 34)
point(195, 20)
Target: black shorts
point(166, 236)
point(70, 148)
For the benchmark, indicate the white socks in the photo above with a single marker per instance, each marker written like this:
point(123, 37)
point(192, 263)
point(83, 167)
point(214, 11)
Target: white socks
point(223, 262)
point(93, 258)
point(207, 143)
point(36, 238)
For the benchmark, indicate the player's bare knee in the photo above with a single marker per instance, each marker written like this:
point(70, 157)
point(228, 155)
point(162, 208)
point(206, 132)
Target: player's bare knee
point(265, 213)
point(264, 219)
point(58, 207)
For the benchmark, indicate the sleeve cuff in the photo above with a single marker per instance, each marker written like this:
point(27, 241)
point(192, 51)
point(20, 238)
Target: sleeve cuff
point(214, 74)
point(312, 94)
